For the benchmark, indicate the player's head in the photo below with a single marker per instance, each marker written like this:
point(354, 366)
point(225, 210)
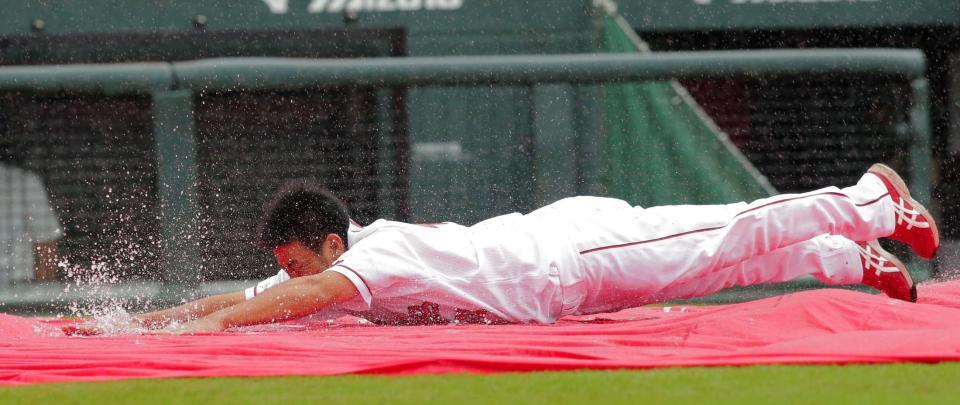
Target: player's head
point(306, 227)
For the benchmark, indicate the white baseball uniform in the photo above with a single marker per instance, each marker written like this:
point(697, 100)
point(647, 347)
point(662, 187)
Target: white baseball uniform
point(587, 255)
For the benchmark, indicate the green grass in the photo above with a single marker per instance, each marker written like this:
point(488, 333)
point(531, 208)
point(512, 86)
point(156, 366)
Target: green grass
point(896, 383)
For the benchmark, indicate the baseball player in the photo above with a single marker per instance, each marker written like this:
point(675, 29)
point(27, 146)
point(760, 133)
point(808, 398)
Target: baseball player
point(579, 255)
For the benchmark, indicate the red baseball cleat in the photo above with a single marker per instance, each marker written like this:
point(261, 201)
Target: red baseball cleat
point(883, 271)
point(915, 225)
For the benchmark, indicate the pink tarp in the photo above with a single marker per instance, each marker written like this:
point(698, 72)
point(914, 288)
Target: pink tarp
point(811, 327)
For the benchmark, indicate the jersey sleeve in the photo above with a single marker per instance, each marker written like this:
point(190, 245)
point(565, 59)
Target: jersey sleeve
point(383, 266)
point(42, 223)
point(357, 281)
point(270, 282)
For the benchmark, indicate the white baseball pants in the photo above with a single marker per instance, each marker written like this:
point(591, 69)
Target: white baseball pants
point(632, 256)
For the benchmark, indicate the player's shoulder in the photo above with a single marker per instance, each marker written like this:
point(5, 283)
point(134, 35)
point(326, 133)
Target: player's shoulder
point(383, 232)
point(357, 232)
point(383, 225)
point(377, 231)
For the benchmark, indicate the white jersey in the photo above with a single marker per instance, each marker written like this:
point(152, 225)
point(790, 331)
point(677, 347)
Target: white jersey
point(505, 269)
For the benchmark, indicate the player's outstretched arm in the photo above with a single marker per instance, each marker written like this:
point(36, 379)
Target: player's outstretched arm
point(293, 299)
point(182, 313)
point(191, 310)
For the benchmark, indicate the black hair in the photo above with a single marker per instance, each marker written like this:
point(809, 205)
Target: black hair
point(305, 212)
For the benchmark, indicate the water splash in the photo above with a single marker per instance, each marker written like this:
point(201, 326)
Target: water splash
point(90, 296)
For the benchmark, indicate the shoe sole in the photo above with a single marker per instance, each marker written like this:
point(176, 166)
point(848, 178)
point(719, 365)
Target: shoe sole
point(900, 266)
point(897, 182)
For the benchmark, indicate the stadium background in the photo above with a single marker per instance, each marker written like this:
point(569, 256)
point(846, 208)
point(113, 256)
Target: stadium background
point(444, 153)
